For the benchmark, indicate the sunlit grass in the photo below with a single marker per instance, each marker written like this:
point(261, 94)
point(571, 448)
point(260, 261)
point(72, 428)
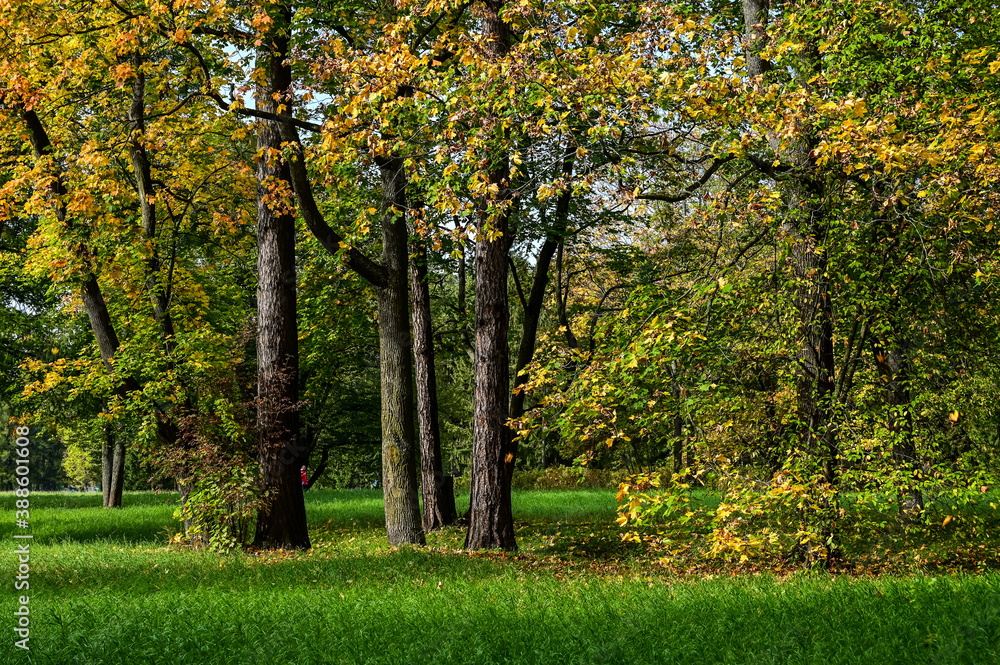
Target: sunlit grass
point(107, 589)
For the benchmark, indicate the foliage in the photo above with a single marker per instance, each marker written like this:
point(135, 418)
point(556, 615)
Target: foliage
point(562, 478)
point(79, 466)
point(711, 358)
point(222, 509)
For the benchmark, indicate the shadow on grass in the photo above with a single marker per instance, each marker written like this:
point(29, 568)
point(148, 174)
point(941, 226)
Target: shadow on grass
point(58, 517)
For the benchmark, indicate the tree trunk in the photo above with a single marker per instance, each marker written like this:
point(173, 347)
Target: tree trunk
point(402, 504)
point(184, 489)
point(491, 524)
point(815, 385)
point(562, 298)
point(806, 225)
point(112, 469)
point(439, 499)
point(117, 473)
point(107, 462)
point(142, 170)
point(281, 520)
point(399, 469)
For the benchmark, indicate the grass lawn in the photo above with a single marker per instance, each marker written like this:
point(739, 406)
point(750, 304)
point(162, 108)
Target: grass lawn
point(105, 588)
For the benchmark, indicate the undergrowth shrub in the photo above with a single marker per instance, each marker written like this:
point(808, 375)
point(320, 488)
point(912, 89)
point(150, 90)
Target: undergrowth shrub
point(221, 510)
point(566, 477)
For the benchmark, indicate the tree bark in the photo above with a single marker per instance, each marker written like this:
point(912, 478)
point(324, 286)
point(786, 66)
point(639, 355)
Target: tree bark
point(142, 169)
point(117, 473)
point(281, 520)
point(815, 385)
point(399, 473)
point(107, 463)
point(491, 523)
point(439, 497)
point(112, 469)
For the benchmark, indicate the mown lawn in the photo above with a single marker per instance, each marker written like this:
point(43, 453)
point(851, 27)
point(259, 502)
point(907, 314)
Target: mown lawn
point(105, 588)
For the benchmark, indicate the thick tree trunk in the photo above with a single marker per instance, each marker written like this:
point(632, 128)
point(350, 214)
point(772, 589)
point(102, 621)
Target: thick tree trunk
point(815, 386)
point(755, 20)
point(491, 524)
point(806, 225)
point(438, 496)
point(399, 474)
point(281, 521)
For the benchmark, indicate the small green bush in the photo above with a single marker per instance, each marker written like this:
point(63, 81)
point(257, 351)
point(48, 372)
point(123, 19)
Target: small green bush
point(566, 477)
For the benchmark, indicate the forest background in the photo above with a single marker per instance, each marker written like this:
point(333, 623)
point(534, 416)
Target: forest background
point(735, 245)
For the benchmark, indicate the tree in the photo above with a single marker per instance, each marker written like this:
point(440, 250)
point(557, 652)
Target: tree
point(491, 524)
point(281, 521)
point(108, 203)
point(390, 280)
point(437, 490)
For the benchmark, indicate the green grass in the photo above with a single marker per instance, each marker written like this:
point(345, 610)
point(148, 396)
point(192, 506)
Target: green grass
point(107, 589)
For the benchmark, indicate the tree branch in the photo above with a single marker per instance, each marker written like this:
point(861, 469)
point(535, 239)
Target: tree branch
point(517, 283)
point(689, 191)
point(374, 273)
